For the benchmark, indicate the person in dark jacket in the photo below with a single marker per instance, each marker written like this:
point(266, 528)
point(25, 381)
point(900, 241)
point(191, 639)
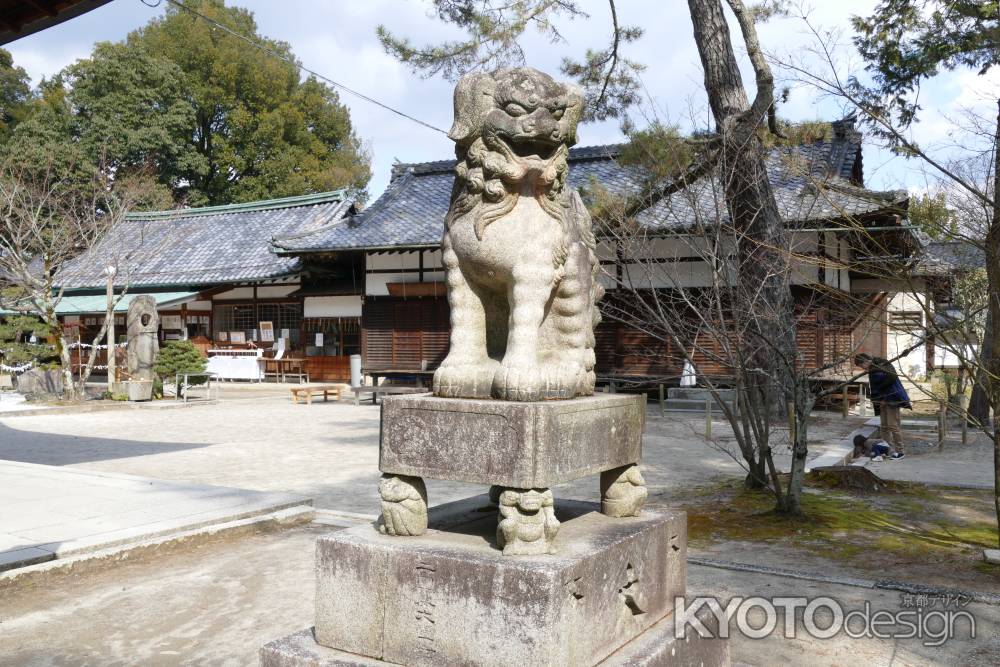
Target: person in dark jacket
point(888, 392)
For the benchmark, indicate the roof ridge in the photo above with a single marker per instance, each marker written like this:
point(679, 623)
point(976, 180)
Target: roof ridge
point(275, 240)
point(576, 153)
point(259, 205)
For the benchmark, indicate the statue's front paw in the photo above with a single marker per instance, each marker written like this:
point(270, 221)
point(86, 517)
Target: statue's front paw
point(565, 381)
point(517, 383)
point(464, 380)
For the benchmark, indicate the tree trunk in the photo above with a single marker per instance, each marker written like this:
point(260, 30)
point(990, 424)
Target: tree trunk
point(979, 404)
point(766, 304)
point(792, 502)
point(992, 338)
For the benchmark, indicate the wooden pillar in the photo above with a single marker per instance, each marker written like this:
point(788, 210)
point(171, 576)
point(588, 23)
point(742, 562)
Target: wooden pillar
point(256, 309)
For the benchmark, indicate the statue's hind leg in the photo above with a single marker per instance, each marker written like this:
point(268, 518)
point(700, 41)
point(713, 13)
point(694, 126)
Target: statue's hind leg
point(467, 371)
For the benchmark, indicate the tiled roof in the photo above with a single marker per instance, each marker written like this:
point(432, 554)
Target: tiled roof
point(811, 182)
point(412, 209)
point(949, 257)
point(204, 246)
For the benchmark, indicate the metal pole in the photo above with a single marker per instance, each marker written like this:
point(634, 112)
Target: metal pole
point(862, 401)
point(847, 403)
point(708, 418)
point(110, 313)
point(661, 400)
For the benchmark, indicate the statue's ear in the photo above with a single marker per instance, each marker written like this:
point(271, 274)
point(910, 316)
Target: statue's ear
point(473, 100)
point(574, 110)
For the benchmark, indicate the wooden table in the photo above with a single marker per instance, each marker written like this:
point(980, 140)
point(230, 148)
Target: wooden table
point(309, 391)
point(844, 385)
point(284, 367)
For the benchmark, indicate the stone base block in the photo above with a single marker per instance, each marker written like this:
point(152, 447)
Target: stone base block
point(656, 647)
point(450, 598)
point(511, 444)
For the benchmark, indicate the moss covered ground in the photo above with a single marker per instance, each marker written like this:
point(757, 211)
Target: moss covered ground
point(907, 532)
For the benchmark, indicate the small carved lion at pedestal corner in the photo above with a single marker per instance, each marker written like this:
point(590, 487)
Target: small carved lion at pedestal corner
point(404, 505)
point(623, 492)
point(518, 247)
point(528, 523)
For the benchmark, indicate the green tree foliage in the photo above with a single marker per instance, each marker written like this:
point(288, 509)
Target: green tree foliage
point(930, 214)
point(128, 112)
point(494, 28)
point(905, 42)
point(259, 130)
point(16, 346)
point(178, 356)
point(213, 119)
point(15, 93)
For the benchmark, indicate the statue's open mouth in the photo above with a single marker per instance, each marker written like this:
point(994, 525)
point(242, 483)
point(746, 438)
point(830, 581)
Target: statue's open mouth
point(540, 150)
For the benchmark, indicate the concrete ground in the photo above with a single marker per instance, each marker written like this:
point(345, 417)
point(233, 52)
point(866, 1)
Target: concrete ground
point(217, 604)
point(255, 438)
point(49, 512)
point(968, 465)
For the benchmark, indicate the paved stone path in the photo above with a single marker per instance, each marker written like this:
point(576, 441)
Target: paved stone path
point(49, 512)
point(327, 451)
point(218, 604)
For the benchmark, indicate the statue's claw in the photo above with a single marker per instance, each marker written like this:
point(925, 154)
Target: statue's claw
point(517, 383)
point(465, 380)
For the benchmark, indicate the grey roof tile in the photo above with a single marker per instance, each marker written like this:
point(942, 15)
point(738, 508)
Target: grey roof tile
point(204, 246)
point(812, 182)
point(949, 257)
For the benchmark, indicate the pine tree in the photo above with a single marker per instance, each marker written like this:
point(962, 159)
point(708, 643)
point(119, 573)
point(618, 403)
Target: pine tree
point(16, 346)
point(179, 356)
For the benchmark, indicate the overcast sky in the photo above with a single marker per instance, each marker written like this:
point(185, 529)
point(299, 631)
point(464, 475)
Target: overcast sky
point(337, 39)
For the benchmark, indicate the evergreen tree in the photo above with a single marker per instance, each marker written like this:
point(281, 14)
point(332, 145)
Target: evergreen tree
point(23, 340)
point(179, 356)
point(215, 120)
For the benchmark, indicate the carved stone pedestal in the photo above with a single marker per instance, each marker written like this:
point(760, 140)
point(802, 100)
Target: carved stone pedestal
point(520, 449)
point(448, 597)
point(510, 444)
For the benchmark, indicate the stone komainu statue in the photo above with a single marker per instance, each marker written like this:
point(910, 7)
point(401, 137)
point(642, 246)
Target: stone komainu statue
point(518, 246)
point(142, 324)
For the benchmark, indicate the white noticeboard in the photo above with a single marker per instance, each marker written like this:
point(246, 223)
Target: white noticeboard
point(267, 331)
point(319, 340)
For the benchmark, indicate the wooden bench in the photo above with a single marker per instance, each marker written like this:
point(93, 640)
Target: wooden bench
point(375, 390)
point(308, 392)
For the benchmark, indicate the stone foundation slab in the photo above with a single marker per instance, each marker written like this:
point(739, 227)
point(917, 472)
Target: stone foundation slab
point(451, 598)
point(656, 647)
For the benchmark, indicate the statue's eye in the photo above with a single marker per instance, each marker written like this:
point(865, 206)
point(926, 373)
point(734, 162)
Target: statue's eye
point(515, 109)
point(557, 113)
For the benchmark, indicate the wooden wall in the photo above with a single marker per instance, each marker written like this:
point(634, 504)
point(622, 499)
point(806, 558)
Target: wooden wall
point(403, 333)
point(400, 333)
